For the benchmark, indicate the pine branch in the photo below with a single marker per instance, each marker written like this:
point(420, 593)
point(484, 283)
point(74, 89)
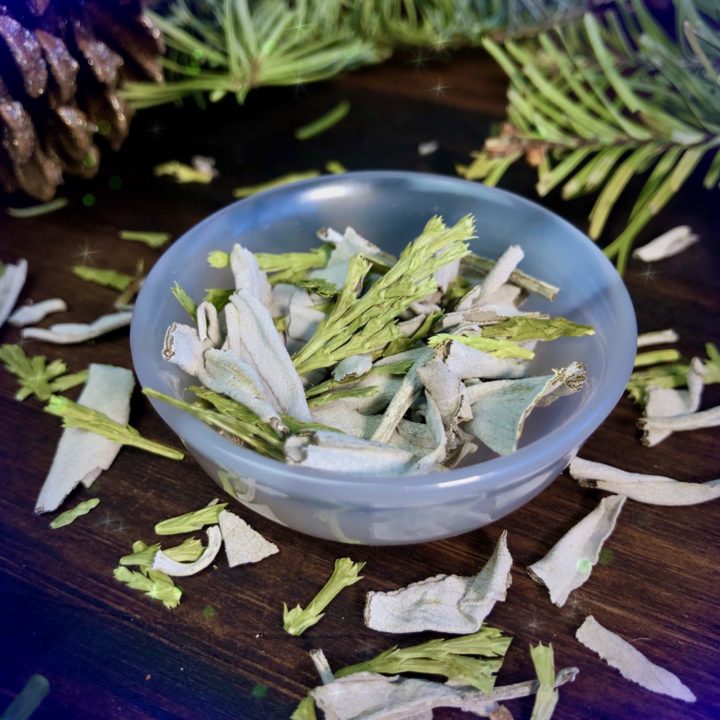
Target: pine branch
point(601, 101)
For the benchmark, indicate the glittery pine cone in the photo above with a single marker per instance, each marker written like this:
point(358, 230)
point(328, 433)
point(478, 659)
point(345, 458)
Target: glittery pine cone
point(61, 65)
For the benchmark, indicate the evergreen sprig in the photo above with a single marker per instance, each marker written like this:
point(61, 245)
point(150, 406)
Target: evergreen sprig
point(602, 100)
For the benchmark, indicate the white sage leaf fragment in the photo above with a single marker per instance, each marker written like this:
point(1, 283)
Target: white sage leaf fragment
point(370, 696)
point(12, 280)
point(433, 459)
point(242, 543)
point(71, 333)
point(666, 245)
point(354, 366)
point(494, 280)
point(466, 362)
point(33, 313)
point(81, 455)
point(649, 489)
point(680, 423)
point(444, 603)
point(500, 407)
point(326, 450)
point(347, 245)
point(248, 275)
point(631, 663)
point(174, 568)
point(657, 337)
point(570, 561)
point(427, 148)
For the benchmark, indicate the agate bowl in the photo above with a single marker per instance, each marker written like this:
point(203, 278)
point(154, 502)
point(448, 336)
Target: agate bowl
point(390, 208)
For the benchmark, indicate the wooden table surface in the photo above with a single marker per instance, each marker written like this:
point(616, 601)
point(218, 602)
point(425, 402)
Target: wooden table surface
point(110, 652)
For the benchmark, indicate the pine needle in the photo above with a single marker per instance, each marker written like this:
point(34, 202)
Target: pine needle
point(323, 123)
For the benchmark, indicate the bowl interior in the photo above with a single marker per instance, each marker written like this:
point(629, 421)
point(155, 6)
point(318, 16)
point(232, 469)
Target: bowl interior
point(390, 209)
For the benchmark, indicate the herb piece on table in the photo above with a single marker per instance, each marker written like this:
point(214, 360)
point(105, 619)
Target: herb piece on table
point(151, 239)
point(81, 456)
point(243, 544)
point(335, 167)
point(298, 620)
point(680, 423)
point(631, 663)
point(123, 300)
point(184, 173)
point(443, 603)
point(103, 276)
point(649, 489)
point(35, 376)
point(38, 210)
point(69, 516)
point(657, 337)
point(570, 561)
point(76, 415)
point(655, 357)
point(143, 554)
point(33, 313)
point(153, 583)
point(12, 280)
point(324, 122)
point(73, 333)
point(191, 521)
point(666, 245)
point(176, 568)
point(246, 191)
point(365, 324)
point(547, 696)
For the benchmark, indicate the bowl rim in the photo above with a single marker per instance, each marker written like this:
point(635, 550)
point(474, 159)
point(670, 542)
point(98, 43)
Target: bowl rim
point(524, 462)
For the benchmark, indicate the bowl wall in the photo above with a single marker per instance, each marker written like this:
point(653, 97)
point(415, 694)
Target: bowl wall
point(391, 208)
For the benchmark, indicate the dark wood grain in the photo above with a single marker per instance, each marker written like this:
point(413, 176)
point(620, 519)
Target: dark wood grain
point(111, 653)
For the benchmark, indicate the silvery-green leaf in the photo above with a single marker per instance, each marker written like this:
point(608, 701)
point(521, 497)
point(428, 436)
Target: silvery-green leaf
point(447, 274)
point(338, 452)
point(444, 603)
point(174, 568)
point(243, 544)
point(253, 337)
point(248, 275)
point(354, 366)
point(12, 280)
point(281, 296)
point(666, 245)
point(303, 315)
point(448, 391)
point(35, 312)
point(483, 315)
point(81, 456)
point(431, 460)
point(570, 561)
point(500, 407)
point(494, 280)
point(670, 402)
point(650, 489)
point(403, 398)
point(466, 362)
point(184, 348)
point(657, 337)
point(346, 245)
point(631, 663)
point(71, 333)
point(343, 416)
point(680, 423)
point(208, 324)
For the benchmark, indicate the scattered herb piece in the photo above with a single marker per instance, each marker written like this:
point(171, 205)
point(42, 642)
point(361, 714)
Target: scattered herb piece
point(259, 691)
point(334, 167)
point(191, 521)
point(188, 551)
point(12, 280)
point(493, 346)
point(428, 148)
point(33, 313)
point(654, 357)
point(568, 564)
point(521, 328)
point(242, 192)
point(657, 337)
point(666, 245)
point(305, 709)
point(243, 544)
point(298, 620)
point(108, 278)
point(631, 663)
point(37, 210)
point(175, 568)
point(209, 612)
point(154, 584)
point(324, 122)
point(218, 259)
point(122, 301)
point(69, 516)
point(547, 696)
point(186, 302)
point(73, 333)
point(483, 266)
point(35, 376)
point(184, 173)
point(75, 415)
point(680, 423)
point(151, 239)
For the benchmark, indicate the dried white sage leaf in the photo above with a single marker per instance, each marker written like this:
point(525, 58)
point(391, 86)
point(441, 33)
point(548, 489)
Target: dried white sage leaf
point(444, 603)
point(570, 561)
point(33, 313)
point(171, 567)
point(303, 316)
point(631, 663)
point(12, 281)
point(347, 245)
point(680, 423)
point(434, 424)
point(649, 489)
point(208, 324)
point(243, 544)
point(666, 245)
point(327, 450)
point(71, 333)
point(657, 337)
point(248, 275)
point(428, 147)
point(81, 455)
point(500, 407)
point(449, 392)
point(466, 362)
point(183, 347)
point(354, 366)
point(494, 280)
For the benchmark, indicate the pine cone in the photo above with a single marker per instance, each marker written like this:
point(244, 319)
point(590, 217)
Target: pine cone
point(61, 64)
